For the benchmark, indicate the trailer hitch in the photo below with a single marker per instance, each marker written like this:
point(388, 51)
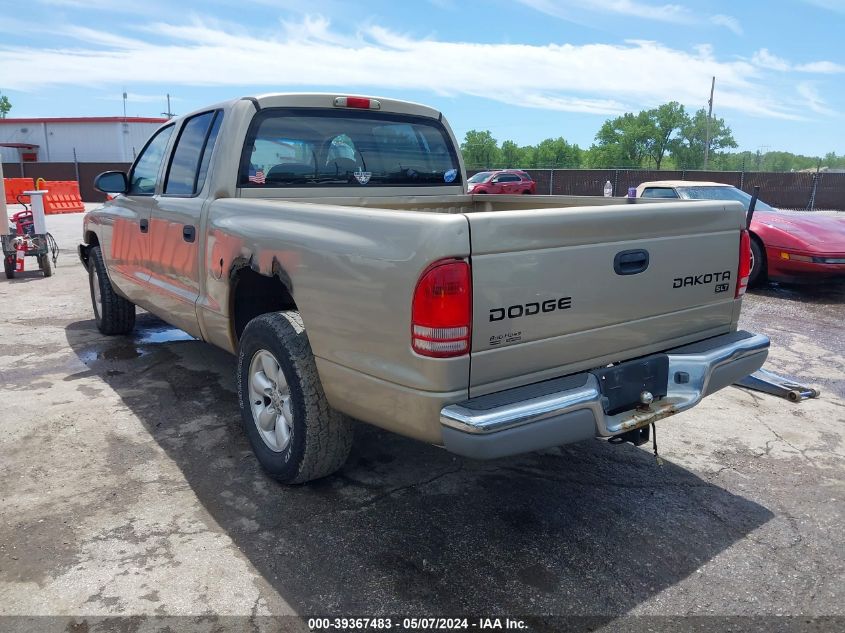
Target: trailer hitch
point(768, 382)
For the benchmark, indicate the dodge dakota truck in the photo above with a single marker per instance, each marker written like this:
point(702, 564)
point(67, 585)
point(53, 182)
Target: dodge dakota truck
point(330, 243)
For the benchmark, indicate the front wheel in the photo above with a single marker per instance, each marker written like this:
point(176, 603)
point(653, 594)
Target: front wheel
point(112, 313)
point(295, 434)
point(758, 263)
point(9, 266)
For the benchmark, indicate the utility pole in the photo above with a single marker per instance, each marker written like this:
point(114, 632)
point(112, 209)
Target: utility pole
point(124, 102)
point(168, 114)
point(709, 115)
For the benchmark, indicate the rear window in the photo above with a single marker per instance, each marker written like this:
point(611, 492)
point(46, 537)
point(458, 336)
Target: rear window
point(659, 192)
point(480, 176)
point(721, 193)
point(297, 147)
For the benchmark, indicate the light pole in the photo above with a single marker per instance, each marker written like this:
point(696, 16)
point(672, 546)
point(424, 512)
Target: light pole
point(707, 127)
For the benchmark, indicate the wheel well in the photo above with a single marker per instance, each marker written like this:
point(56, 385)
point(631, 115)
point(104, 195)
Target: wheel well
point(254, 294)
point(90, 240)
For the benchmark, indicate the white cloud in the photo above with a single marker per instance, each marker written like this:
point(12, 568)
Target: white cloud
point(567, 8)
point(764, 59)
point(596, 78)
point(728, 22)
point(812, 100)
point(823, 67)
point(672, 13)
point(831, 5)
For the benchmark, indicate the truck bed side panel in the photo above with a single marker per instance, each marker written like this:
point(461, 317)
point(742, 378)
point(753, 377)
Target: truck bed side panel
point(352, 273)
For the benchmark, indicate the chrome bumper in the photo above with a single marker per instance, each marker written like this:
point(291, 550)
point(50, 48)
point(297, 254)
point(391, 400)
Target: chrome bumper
point(540, 416)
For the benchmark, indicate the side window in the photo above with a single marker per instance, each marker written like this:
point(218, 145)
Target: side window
point(142, 179)
point(189, 164)
point(209, 147)
point(659, 192)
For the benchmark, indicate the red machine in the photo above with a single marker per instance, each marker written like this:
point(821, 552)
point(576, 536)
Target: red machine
point(22, 241)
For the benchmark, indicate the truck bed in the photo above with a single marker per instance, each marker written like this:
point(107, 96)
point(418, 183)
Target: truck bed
point(528, 250)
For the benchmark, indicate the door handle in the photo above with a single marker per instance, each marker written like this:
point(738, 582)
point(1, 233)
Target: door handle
point(145, 226)
point(630, 262)
point(189, 233)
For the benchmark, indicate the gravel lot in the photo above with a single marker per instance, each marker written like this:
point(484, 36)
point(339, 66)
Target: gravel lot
point(129, 489)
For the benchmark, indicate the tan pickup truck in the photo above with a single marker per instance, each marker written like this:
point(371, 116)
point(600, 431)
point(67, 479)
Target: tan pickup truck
point(330, 243)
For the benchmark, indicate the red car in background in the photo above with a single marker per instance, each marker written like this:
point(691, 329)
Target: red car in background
point(511, 181)
point(788, 247)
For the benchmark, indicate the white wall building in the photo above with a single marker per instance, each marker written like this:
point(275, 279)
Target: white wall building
point(95, 139)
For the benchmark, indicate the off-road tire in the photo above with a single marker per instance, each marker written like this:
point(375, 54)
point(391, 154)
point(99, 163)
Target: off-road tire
point(321, 437)
point(46, 264)
point(758, 274)
point(118, 314)
point(9, 266)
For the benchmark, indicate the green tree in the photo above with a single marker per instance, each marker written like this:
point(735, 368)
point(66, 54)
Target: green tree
point(5, 106)
point(663, 122)
point(556, 152)
point(623, 141)
point(688, 149)
point(511, 154)
point(480, 149)
point(528, 157)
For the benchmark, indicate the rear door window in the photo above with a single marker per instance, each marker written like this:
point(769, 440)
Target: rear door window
point(299, 147)
point(189, 164)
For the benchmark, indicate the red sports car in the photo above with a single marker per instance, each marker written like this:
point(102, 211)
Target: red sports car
point(512, 181)
point(785, 246)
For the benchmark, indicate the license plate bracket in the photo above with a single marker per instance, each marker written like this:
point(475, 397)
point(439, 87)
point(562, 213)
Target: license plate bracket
point(622, 384)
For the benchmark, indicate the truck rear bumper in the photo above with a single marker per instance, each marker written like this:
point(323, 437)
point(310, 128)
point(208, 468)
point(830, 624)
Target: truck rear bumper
point(566, 410)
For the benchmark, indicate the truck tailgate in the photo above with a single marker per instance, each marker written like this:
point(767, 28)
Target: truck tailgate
point(557, 291)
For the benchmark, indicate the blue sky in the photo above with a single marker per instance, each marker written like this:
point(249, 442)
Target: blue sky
point(524, 69)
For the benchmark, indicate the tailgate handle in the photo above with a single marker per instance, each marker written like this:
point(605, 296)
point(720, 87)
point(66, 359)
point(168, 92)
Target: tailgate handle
point(630, 262)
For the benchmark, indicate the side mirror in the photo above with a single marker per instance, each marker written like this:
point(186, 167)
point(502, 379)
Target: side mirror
point(112, 182)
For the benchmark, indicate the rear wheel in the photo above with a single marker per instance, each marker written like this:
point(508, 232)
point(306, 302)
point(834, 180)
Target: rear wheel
point(295, 434)
point(46, 264)
point(758, 263)
point(112, 313)
point(9, 266)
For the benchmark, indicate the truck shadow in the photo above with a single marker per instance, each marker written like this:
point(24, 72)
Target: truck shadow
point(410, 529)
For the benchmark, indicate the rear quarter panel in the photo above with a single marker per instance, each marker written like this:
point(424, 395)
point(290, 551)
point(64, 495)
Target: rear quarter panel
point(351, 271)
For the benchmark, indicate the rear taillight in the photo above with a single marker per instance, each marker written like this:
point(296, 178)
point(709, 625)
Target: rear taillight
point(357, 102)
point(744, 263)
point(441, 312)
